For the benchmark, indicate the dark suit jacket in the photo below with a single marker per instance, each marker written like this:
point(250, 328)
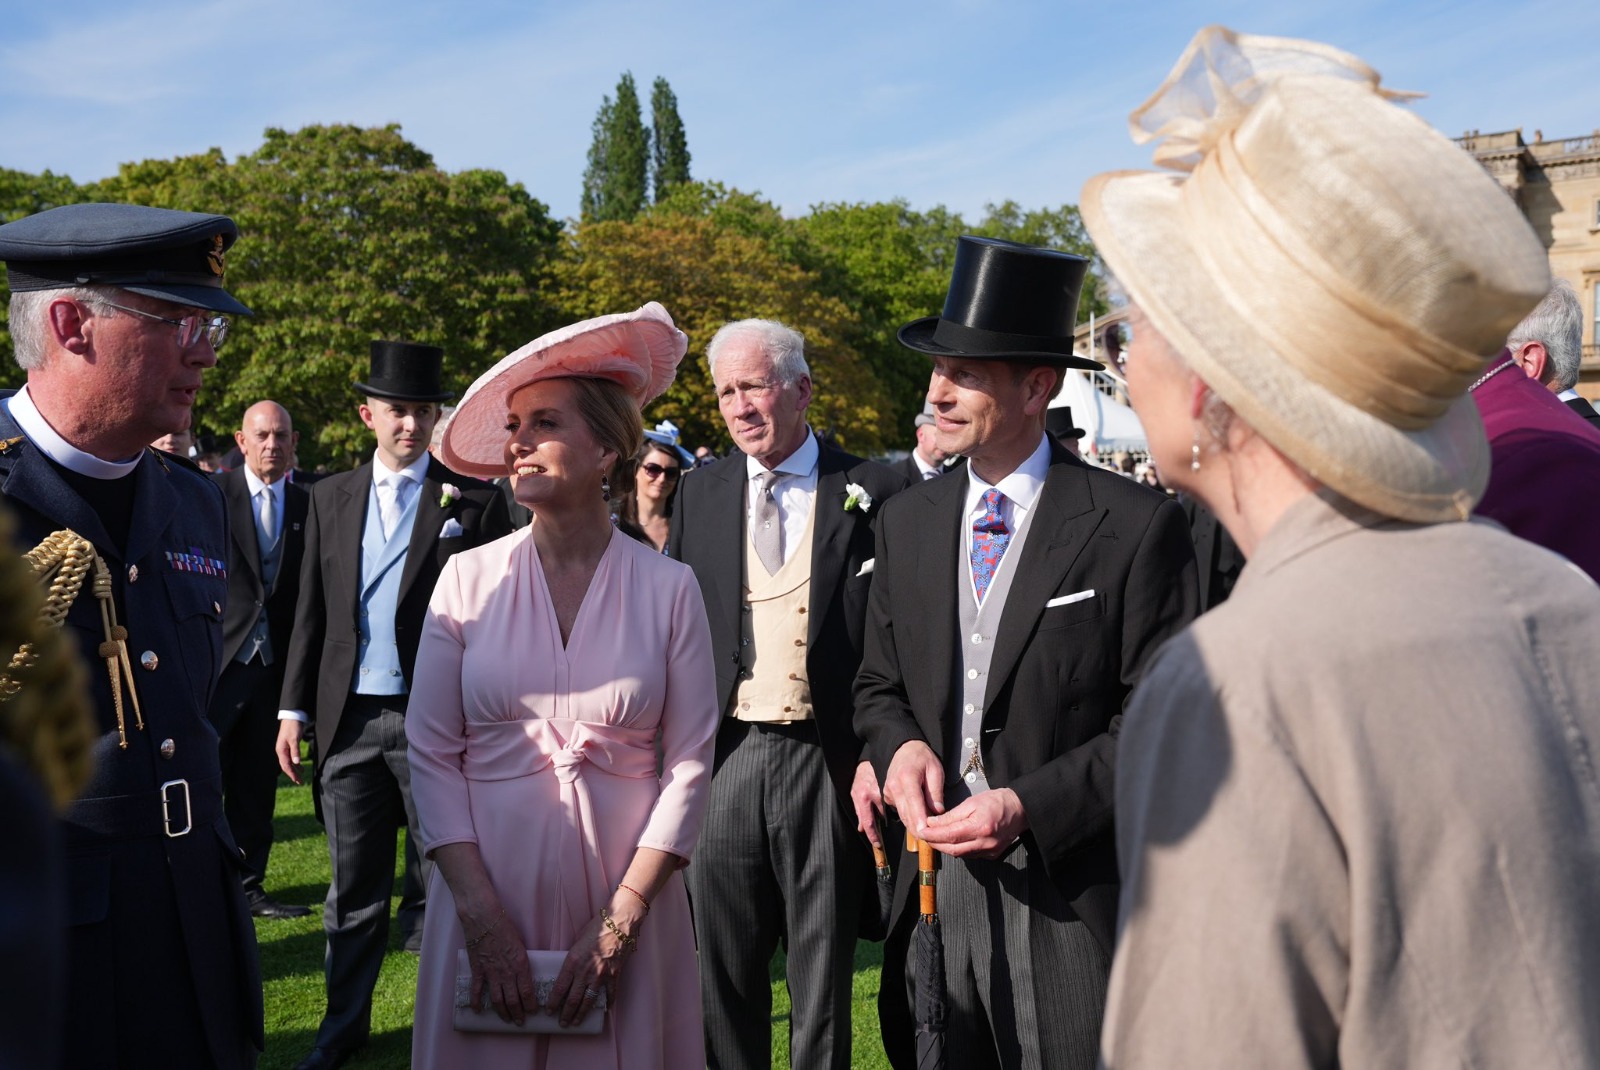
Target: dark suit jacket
point(246, 592)
point(1059, 675)
point(324, 646)
point(709, 535)
point(1582, 407)
point(1215, 551)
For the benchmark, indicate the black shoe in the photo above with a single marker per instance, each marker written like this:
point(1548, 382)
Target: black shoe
point(325, 1059)
point(263, 907)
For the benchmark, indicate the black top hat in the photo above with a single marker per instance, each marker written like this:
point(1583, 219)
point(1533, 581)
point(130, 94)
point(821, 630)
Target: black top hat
point(405, 371)
point(1006, 301)
point(1058, 422)
point(158, 252)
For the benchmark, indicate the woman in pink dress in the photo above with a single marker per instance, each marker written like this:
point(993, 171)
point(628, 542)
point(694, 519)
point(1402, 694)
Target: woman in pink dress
point(561, 728)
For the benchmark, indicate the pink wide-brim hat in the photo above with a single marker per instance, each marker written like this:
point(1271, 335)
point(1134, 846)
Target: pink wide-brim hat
point(639, 350)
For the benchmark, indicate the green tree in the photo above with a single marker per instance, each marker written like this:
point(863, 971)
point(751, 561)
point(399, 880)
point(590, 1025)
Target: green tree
point(619, 158)
point(349, 235)
point(707, 273)
point(669, 158)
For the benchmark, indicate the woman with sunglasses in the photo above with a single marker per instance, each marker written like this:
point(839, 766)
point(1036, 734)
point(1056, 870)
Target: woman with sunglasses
point(644, 510)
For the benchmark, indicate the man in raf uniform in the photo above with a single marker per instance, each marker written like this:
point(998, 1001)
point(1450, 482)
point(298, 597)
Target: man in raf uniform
point(114, 313)
point(267, 513)
point(376, 540)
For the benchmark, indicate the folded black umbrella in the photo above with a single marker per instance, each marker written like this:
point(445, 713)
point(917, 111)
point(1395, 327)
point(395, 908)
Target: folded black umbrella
point(927, 952)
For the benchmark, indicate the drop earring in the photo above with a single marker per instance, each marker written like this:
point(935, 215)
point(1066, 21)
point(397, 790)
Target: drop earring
point(605, 488)
point(1194, 453)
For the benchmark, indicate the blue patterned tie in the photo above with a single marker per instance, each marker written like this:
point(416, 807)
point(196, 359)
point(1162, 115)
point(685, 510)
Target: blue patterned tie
point(989, 541)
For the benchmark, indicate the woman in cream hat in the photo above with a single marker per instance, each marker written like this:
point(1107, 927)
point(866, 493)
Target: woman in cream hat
point(554, 667)
point(1357, 805)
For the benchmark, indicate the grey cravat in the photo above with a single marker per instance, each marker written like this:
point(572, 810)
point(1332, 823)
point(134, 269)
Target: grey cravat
point(768, 535)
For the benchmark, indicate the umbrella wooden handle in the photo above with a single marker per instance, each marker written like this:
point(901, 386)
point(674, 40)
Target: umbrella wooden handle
point(925, 878)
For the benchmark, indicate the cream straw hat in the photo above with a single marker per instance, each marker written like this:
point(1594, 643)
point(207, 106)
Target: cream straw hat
point(639, 350)
point(1335, 269)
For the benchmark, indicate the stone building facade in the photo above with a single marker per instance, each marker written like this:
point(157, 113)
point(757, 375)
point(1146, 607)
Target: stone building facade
point(1556, 183)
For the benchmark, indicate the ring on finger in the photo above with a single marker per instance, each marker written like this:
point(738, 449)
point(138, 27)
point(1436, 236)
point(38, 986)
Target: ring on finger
point(591, 994)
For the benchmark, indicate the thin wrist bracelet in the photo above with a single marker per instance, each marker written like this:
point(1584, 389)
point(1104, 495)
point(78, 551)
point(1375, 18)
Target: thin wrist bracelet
point(629, 944)
point(636, 895)
point(476, 940)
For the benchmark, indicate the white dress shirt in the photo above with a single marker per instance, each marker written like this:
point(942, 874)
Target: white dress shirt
point(795, 494)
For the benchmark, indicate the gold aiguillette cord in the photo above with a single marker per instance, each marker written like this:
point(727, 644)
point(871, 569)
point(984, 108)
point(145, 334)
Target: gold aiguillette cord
point(115, 651)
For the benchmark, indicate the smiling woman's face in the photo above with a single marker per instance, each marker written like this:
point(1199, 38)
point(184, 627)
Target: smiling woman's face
point(550, 450)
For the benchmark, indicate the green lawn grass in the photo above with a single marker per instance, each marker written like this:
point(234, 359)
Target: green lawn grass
point(292, 950)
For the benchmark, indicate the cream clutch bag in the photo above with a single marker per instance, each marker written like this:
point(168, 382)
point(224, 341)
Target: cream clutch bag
point(545, 966)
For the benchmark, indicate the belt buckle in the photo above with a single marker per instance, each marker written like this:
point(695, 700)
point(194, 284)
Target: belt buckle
point(166, 810)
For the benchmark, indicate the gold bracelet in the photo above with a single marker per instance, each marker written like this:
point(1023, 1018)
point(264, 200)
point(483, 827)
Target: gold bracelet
point(475, 941)
point(629, 944)
point(636, 895)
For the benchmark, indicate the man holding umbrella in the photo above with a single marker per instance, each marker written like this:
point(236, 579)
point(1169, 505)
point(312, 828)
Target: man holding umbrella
point(1010, 615)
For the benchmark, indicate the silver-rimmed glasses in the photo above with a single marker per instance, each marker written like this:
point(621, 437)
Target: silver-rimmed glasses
point(190, 329)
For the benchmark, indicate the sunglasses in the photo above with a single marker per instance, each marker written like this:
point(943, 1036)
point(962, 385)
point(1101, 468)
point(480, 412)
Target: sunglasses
point(656, 471)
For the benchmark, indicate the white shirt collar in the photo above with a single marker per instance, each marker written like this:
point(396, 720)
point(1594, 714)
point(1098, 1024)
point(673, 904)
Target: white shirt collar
point(802, 462)
point(257, 485)
point(923, 466)
point(382, 473)
point(1022, 486)
point(1569, 395)
point(58, 449)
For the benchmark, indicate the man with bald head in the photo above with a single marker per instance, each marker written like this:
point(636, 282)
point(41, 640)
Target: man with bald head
point(267, 514)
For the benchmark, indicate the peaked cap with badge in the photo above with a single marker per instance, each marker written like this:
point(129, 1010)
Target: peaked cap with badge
point(1006, 301)
point(159, 252)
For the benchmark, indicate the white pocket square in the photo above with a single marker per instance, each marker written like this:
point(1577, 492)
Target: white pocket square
point(866, 566)
point(452, 528)
point(1068, 599)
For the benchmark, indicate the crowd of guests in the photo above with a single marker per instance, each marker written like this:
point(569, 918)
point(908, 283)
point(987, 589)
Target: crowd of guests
point(645, 716)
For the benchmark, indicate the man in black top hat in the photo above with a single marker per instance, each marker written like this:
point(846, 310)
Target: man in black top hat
point(376, 540)
point(116, 313)
point(1059, 426)
point(1011, 613)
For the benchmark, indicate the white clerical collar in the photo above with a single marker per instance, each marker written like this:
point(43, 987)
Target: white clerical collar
point(1021, 486)
point(256, 484)
point(799, 463)
point(382, 473)
point(58, 449)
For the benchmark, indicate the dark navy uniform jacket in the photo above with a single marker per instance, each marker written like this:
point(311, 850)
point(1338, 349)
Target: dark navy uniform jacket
point(162, 968)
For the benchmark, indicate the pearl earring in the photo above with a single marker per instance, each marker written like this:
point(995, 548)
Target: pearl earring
point(605, 489)
point(1194, 453)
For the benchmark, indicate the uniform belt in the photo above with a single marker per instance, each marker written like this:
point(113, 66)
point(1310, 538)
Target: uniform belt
point(174, 809)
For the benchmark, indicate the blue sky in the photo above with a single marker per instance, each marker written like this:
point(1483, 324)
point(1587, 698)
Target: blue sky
point(954, 102)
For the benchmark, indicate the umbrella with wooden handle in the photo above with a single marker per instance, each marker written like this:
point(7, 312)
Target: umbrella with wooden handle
point(927, 954)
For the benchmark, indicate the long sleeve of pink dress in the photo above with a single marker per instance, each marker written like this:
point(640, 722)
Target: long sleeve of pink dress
point(559, 762)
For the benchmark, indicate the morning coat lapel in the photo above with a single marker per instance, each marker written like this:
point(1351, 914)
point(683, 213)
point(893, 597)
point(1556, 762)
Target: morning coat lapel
point(342, 546)
point(724, 542)
point(830, 535)
point(1064, 520)
point(427, 525)
point(242, 520)
point(937, 518)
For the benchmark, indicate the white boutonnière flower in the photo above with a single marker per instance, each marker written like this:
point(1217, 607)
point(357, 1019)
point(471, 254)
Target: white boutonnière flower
point(856, 497)
point(451, 493)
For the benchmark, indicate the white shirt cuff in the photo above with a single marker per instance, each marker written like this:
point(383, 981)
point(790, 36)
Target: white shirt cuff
point(293, 715)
